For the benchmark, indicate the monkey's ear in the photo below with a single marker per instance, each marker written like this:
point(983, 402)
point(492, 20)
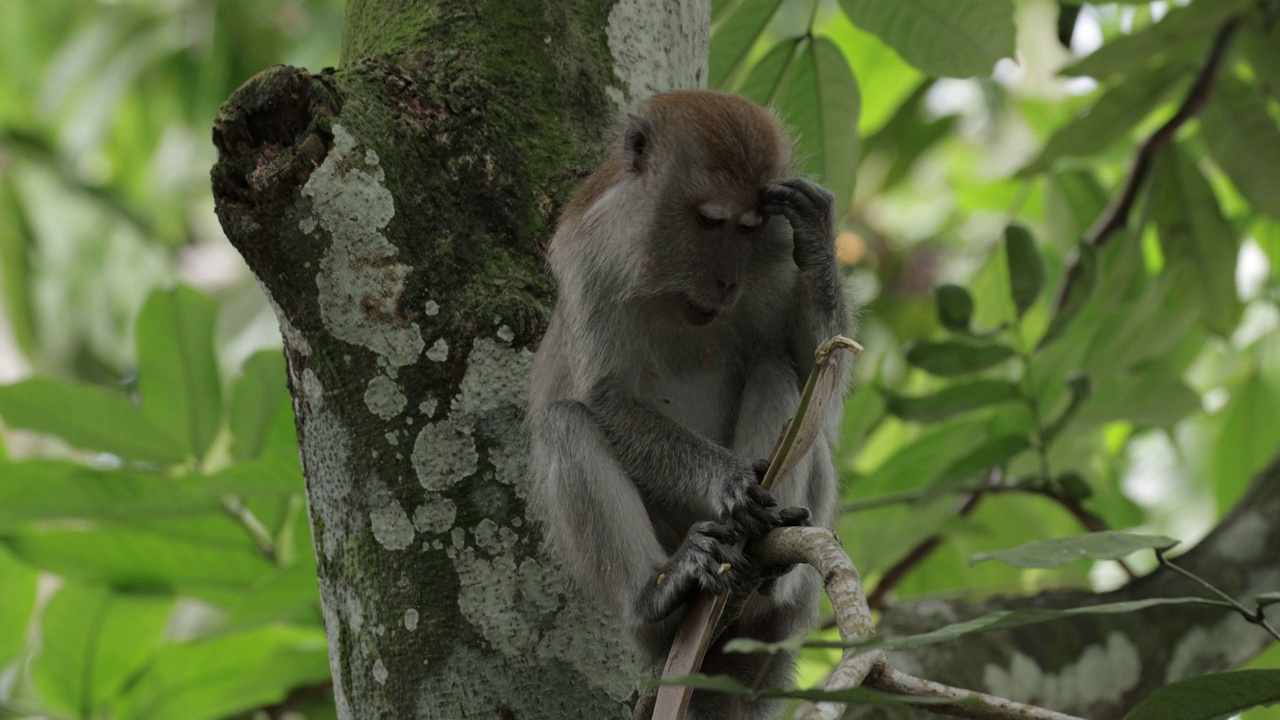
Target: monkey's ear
point(637, 143)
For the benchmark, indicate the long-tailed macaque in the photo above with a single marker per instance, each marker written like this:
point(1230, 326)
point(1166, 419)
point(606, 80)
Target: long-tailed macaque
point(697, 276)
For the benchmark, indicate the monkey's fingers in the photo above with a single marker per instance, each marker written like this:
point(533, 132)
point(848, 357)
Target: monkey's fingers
point(793, 517)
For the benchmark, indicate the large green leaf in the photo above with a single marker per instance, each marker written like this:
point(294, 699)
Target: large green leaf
point(1057, 552)
point(261, 412)
point(953, 357)
point(951, 400)
point(222, 676)
point(734, 37)
point(177, 367)
point(87, 417)
point(1243, 139)
point(131, 558)
point(941, 37)
point(92, 642)
point(1116, 111)
point(1145, 397)
point(809, 81)
point(1210, 696)
point(17, 601)
point(42, 491)
point(1247, 438)
point(1077, 288)
point(990, 454)
point(1197, 21)
point(1200, 246)
point(999, 620)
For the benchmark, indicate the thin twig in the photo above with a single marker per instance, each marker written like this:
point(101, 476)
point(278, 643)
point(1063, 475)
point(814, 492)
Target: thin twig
point(969, 703)
point(1255, 617)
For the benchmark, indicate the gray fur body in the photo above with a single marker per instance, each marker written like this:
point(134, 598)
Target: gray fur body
point(642, 425)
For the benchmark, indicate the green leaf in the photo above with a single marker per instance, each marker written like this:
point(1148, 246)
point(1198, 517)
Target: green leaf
point(726, 684)
point(1026, 268)
point(261, 411)
point(222, 676)
point(952, 357)
point(1199, 245)
point(177, 367)
point(47, 491)
point(1056, 552)
point(1145, 397)
point(1073, 486)
point(1243, 139)
point(1076, 199)
point(133, 558)
point(92, 642)
point(1006, 619)
point(1210, 696)
point(818, 96)
point(941, 37)
point(1081, 280)
point(87, 417)
point(1247, 439)
point(1259, 45)
point(736, 35)
point(1116, 111)
point(951, 400)
point(992, 453)
point(1197, 21)
point(17, 245)
point(1080, 387)
point(17, 602)
point(955, 307)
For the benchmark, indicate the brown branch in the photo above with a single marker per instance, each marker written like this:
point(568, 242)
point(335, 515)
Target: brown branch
point(1116, 216)
point(823, 550)
point(917, 555)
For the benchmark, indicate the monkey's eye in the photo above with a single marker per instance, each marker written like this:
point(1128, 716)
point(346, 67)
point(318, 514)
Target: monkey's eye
point(746, 229)
point(709, 222)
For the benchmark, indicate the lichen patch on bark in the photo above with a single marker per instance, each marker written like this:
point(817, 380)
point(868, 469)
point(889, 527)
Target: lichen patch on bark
point(360, 285)
point(1101, 675)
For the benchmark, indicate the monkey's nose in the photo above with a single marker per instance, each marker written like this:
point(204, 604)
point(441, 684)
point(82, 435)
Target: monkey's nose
point(727, 288)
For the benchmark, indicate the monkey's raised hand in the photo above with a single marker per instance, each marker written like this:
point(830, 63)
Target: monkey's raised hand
point(748, 510)
point(809, 208)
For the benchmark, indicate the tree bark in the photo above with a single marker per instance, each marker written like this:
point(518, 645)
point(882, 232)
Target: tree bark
point(394, 212)
point(1101, 666)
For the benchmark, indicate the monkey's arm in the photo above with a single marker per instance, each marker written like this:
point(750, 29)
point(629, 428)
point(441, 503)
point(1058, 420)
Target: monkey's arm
point(820, 304)
point(677, 468)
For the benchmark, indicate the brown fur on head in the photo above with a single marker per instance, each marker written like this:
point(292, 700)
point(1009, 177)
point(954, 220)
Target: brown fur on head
point(740, 144)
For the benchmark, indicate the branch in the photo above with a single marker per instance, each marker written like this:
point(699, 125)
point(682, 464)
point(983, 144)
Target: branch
point(1116, 216)
point(823, 550)
point(969, 704)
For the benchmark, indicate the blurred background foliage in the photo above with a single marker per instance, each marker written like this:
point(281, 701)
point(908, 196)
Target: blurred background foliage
point(154, 554)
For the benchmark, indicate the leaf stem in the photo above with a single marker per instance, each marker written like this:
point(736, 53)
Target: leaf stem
point(1255, 617)
point(236, 508)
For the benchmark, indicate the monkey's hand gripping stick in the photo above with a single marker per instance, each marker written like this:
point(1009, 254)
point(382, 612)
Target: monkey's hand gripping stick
point(702, 619)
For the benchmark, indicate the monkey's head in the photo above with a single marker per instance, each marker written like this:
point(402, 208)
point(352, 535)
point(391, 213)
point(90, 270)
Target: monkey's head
point(686, 175)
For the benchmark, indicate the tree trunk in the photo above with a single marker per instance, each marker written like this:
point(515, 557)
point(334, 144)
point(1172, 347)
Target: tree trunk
point(1101, 666)
point(394, 211)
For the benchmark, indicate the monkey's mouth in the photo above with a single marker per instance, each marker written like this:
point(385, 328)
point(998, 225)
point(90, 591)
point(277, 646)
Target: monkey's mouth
point(697, 315)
